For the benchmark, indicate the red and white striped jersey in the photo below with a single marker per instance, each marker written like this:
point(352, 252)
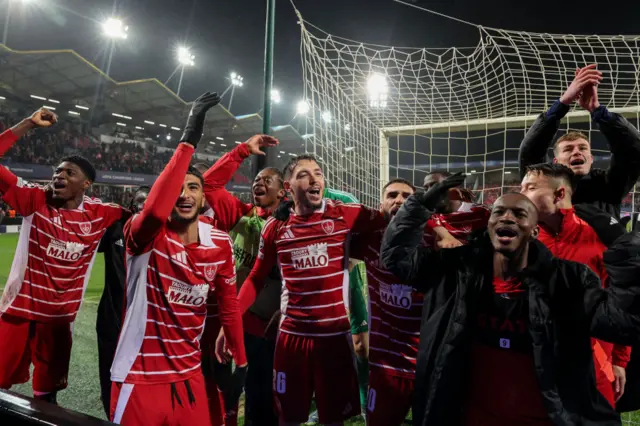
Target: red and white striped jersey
point(395, 312)
point(395, 308)
point(55, 252)
point(460, 224)
point(168, 285)
point(312, 253)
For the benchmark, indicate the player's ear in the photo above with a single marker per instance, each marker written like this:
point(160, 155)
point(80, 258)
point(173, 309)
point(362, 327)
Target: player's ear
point(534, 233)
point(281, 193)
point(87, 183)
point(559, 194)
point(287, 186)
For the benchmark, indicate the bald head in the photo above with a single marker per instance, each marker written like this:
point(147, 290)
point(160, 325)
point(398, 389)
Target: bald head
point(513, 223)
point(514, 200)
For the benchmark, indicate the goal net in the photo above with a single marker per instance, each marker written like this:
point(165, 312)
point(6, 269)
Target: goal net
point(379, 112)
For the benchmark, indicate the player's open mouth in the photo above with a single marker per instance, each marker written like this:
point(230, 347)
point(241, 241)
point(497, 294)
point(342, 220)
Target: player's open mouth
point(314, 191)
point(259, 192)
point(184, 207)
point(506, 235)
point(577, 162)
point(58, 186)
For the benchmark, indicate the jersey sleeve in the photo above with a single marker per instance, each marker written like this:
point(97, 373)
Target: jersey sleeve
point(228, 307)
point(265, 261)
point(113, 212)
point(142, 229)
point(24, 199)
point(227, 208)
point(363, 219)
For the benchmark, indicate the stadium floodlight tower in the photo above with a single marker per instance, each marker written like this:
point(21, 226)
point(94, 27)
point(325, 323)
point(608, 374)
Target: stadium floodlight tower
point(185, 59)
point(275, 96)
point(114, 29)
point(236, 81)
point(302, 107)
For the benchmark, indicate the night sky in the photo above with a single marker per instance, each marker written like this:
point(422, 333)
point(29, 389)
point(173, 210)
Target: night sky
point(228, 35)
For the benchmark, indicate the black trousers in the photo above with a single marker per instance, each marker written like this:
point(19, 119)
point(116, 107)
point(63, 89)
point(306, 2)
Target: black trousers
point(106, 352)
point(259, 408)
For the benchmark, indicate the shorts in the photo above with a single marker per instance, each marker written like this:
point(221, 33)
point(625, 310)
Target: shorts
point(163, 404)
point(358, 312)
point(320, 366)
point(389, 399)
point(46, 345)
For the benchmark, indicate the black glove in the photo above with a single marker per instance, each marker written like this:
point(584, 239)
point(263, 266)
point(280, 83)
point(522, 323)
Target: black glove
point(195, 122)
point(282, 212)
point(231, 394)
point(438, 192)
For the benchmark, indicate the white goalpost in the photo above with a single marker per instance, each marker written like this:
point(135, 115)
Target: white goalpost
point(379, 112)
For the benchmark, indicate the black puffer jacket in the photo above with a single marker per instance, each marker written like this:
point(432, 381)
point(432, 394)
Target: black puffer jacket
point(567, 306)
point(604, 189)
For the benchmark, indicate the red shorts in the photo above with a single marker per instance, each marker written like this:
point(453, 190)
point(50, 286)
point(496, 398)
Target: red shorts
point(163, 404)
point(320, 366)
point(46, 345)
point(389, 399)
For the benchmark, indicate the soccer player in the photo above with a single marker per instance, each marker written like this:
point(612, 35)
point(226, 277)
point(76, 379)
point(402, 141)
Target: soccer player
point(582, 234)
point(111, 306)
point(58, 241)
point(506, 327)
point(314, 354)
point(602, 188)
point(244, 223)
point(174, 260)
point(396, 311)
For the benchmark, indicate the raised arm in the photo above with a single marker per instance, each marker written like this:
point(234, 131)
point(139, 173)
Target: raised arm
point(402, 251)
point(25, 200)
point(227, 208)
point(144, 227)
point(539, 138)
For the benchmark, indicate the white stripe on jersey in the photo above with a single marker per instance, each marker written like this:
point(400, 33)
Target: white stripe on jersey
point(79, 222)
point(38, 313)
point(373, 348)
point(315, 307)
point(169, 277)
point(55, 278)
point(52, 290)
point(168, 356)
point(308, 237)
point(314, 320)
point(171, 340)
point(178, 243)
point(151, 373)
point(386, 336)
point(176, 262)
point(417, 333)
point(315, 277)
point(174, 326)
point(403, 370)
point(306, 224)
point(307, 293)
point(47, 302)
point(315, 334)
point(174, 312)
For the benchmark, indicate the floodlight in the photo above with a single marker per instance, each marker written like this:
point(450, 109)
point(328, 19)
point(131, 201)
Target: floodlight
point(326, 117)
point(347, 127)
point(275, 96)
point(168, 137)
point(377, 89)
point(236, 80)
point(185, 57)
point(302, 108)
point(115, 28)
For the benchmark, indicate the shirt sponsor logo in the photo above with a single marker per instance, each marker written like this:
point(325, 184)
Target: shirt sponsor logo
point(188, 295)
point(65, 250)
point(313, 256)
point(396, 295)
point(327, 226)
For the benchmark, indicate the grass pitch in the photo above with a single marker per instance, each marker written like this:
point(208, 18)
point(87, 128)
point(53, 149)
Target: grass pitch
point(83, 393)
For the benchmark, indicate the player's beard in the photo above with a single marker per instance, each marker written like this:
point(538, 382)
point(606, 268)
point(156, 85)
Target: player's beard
point(181, 220)
point(311, 205)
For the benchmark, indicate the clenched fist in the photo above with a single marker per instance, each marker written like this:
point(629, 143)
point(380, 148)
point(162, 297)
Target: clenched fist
point(43, 118)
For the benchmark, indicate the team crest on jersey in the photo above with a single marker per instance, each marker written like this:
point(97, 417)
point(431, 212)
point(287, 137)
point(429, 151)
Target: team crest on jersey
point(396, 295)
point(327, 226)
point(65, 250)
point(188, 295)
point(210, 271)
point(312, 256)
point(85, 227)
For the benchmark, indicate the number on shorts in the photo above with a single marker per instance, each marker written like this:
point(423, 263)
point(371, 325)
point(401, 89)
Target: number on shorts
point(371, 399)
point(279, 382)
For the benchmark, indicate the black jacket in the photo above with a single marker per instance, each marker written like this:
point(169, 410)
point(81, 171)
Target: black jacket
point(111, 306)
point(567, 306)
point(602, 188)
